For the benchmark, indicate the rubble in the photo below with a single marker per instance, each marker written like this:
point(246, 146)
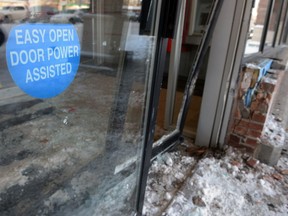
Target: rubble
point(234, 184)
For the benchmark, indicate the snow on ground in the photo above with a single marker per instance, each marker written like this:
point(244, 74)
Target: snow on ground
point(166, 176)
point(231, 184)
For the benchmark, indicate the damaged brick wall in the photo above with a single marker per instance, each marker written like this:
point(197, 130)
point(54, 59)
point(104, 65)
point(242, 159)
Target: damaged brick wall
point(251, 108)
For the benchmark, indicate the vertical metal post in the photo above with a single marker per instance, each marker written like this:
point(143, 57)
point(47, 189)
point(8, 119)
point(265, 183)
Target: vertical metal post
point(165, 23)
point(284, 29)
point(174, 67)
point(266, 25)
point(93, 28)
point(278, 23)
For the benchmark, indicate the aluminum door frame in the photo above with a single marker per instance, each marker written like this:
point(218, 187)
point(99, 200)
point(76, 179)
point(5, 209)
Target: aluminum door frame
point(227, 48)
point(174, 65)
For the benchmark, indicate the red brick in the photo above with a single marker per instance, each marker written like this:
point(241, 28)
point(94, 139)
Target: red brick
point(268, 87)
point(269, 96)
point(254, 133)
point(234, 138)
point(254, 105)
point(237, 119)
point(235, 163)
point(256, 126)
point(242, 122)
point(262, 107)
point(240, 130)
point(277, 176)
point(234, 141)
point(259, 117)
point(251, 142)
point(260, 95)
point(252, 162)
point(234, 144)
point(268, 178)
point(237, 113)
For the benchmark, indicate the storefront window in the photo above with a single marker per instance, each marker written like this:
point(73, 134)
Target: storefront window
point(73, 81)
point(257, 22)
point(281, 23)
point(273, 23)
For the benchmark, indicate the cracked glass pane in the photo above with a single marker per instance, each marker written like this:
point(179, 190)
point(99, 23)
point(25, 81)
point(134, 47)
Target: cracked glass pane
point(73, 82)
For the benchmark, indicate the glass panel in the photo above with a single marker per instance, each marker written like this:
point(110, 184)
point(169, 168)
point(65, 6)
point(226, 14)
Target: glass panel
point(195, 21)
point(257, 22)
point(73, 84)
point(281, 23)
point(191, 121)
point(273, 22)
point(285, 32)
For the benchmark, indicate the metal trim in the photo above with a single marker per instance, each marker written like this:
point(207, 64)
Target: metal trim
point(153, 99)
point(278, 24)
point(266, 25)
point(174, 67)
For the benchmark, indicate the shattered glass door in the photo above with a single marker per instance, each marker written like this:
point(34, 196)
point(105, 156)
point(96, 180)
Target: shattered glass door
point(73, 83)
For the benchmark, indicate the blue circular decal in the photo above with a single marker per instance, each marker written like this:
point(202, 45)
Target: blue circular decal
point(43, 59)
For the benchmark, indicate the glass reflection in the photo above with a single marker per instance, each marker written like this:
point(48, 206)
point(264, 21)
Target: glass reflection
point(257, 22)
point(273, 22)
point(77, 153)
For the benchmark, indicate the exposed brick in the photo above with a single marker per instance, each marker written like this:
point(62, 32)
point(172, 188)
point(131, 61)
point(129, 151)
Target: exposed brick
point(242, 122)
point(240, 130)
point(240, 94)
point(259, 117)
point(268, 178)
point(252, 162)
point(268, 87)
point(234, 144)
point(262, 107)
point(234, 138)
point(236, 120)
point(251, 142)
point(269, 97)
point(237, 113)
point(236, 163)
point(277, 176)
point(254, 133)
point(254, 105)
point(260, 95)
point(256, 126)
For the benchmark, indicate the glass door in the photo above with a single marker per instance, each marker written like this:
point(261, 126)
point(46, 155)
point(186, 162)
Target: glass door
point(181, 53)
point(73, 86)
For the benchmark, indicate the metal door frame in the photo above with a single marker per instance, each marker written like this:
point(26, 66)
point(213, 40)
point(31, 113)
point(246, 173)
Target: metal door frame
point(168, 141)
point(227, 48)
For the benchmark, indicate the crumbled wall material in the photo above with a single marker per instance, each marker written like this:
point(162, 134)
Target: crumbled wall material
point(254, 100)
